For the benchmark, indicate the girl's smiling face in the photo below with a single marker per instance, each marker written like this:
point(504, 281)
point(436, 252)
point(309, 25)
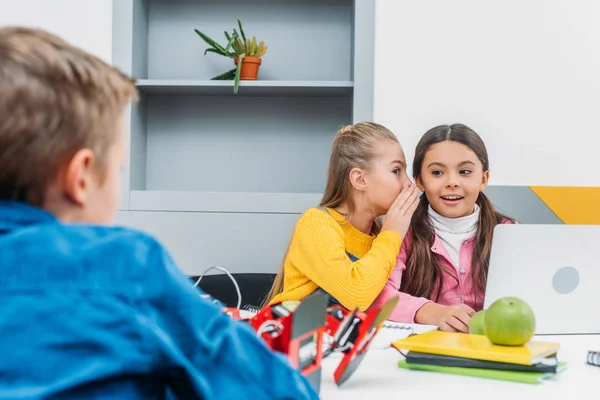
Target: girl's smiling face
point(452, 177)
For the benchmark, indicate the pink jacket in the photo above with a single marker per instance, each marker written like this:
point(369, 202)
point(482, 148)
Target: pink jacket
point(457, 288)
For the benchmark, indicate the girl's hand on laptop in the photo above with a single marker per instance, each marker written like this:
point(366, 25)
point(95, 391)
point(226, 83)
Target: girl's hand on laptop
point(454, 318)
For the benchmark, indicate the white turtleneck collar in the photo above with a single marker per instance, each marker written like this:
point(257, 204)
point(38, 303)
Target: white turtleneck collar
point(453, 231)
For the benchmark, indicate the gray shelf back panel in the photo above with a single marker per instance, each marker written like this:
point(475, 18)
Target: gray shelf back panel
point(364, 60)
point(306, 39)
point(125, 173)
point(238, 242)
point(161, 87)
point(223, 202)
point(139, 118)
point(140, 46)
point(231, 144)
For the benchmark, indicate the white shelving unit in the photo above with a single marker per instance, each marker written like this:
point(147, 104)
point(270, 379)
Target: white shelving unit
point(224, 165)
point(163, 87)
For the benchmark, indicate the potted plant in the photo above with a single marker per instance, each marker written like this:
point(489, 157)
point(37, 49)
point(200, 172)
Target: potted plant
point(238, 47)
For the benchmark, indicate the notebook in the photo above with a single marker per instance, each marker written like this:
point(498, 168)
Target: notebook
point(393, 331)
point(513, 376)
point(477, 347)
point(547, 365)
point(416, 328)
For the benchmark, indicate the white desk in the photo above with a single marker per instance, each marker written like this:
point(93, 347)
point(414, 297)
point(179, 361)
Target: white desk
point(378, 377)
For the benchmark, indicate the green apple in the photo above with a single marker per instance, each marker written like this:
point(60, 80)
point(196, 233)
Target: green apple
point(509, 321)
point(476, 326)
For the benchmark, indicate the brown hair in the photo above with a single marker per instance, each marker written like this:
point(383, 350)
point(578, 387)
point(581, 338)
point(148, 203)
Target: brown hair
point(55, 100)
point(354, 146)
point(424, 272)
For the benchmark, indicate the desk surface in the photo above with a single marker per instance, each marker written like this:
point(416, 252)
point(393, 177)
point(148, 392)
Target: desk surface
point(378, 377)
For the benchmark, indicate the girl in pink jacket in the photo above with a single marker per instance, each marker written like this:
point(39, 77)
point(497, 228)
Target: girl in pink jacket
point(441, 271)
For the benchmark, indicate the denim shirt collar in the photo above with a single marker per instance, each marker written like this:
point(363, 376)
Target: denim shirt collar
point(15, 215)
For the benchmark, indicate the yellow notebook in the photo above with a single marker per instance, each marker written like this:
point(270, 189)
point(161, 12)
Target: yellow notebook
point(477, 347)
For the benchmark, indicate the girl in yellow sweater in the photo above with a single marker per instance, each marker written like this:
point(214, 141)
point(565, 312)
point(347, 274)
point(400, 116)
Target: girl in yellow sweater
point(341, 246)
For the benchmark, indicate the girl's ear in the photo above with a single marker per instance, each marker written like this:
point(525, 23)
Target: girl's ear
point(419, 183)
point(357, 179)
point(484, 180)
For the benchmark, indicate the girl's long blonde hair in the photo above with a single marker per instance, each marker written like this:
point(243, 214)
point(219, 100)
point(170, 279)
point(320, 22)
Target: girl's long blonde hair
point(354, 146)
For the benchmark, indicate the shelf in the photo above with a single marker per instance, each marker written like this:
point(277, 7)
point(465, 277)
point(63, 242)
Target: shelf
point(247, 88)
point(221, 178)
point(223, 202)
point(234, 143)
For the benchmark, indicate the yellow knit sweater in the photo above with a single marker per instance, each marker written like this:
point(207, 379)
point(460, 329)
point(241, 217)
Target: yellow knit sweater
point(317, 258)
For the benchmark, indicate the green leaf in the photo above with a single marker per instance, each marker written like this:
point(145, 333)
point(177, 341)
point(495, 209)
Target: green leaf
point(236, 82)
point(253, 46)
point(237, 35)
point(229, 41)
point(242, 46)
point(261, 50)
point(225, 76)
point(207, 39)
point(236, 47)
point(241, 30)
point(213, 44)
point(213, 50)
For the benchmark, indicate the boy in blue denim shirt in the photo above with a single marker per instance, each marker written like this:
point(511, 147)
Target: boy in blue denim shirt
point(90, 311)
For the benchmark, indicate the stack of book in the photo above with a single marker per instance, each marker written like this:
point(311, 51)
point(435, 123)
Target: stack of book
point(475, 355)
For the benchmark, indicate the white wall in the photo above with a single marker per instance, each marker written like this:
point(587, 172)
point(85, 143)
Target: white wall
point(523, 74)
point(84, 23)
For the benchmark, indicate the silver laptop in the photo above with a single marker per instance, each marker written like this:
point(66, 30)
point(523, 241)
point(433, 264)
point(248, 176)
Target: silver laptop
point(554, 268)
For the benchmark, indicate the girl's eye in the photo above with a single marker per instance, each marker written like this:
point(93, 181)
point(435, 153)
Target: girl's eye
point(436, 173)
point(396, 171)
point(465, 172)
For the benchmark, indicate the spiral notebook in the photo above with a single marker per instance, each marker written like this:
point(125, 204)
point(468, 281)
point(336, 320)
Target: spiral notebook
point(393, 331)
point(593, 358)
point(412, 329)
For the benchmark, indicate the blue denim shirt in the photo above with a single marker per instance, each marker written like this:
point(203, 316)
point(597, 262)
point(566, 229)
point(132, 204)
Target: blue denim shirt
point(101, 312)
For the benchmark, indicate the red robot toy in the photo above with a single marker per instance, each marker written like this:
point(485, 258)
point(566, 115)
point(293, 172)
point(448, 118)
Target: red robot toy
point(310, 330)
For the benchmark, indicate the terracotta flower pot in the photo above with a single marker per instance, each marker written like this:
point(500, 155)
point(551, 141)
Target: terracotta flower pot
point(250, 67)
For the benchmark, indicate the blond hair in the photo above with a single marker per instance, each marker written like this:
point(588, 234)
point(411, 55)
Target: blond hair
point(354, 146)
point(55, 100)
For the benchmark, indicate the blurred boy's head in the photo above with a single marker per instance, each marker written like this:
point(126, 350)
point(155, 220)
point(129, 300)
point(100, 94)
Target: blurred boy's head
point(62, 140)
